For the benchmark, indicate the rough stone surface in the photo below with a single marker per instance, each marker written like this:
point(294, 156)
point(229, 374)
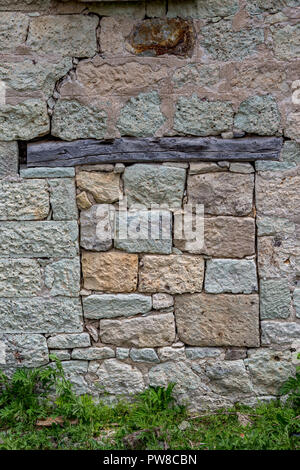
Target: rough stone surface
point(13, 30)
point(162, 301)
point(72, 120)
point(279, 333)
point(286, 41)
point(218, 320)
point(69, 341)
point(66, 35)
point(122, 353)
point(223, 43)
point(269, 370)
point(75, 371)
point(275, 299)
point(40, 315)
point(83, 201)
point(40, 172)
point(24, 121)
point(231, 237)
point(96, 227)
point(141, 332)
point(144, 231)
point(48, 239)
point(222, 193)
point(23, 350)
point(115, 305)
point(92, 354)
point(229, 275)
point(197, 117)
point(113, 271)
point(143, 355)
point(202, 353)
point(173, 274)
point(154, 184)
point(117, 378)
point(63, 199)
point(196, 75)
point(19, 278)
point(227, 378)
point(171, 354)
point(9, 155)
point(104, 187)
point(296, 298)
point(24, 200)
point(202, 9)
point(290, 152)
point(141, 116)
point(258, 115)
point(62, 277)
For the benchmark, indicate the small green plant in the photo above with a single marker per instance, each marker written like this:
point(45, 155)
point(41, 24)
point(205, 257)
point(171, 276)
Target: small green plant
point(158, 398)
point(292, 388)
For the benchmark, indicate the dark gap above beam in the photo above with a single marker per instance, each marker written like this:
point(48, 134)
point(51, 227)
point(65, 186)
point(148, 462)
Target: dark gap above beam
point(147, 150)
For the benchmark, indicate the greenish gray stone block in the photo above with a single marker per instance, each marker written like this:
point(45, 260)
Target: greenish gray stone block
point(20, 278)
point(229, 275)
point(40, 315)
point(62, 277)
point(202, 353)
point(202, 9)
point(274, 225)
point(229, 377)
point(72, 120)
point(291, 152)
point(286, 41)
point(61, 355)
point(154, 184)
point(69, 341)
point(115, 305)
point(196, 75)
point(144, 231)
point(96, 227)
point(13, 29)
point(223, 43)
point(243, 168)
point(296, 297)
point(275, 299)
point(9, 157)
point(122, 353)
point(23, 350)
point(24, 200)
point(63, 199)
point(48, 239)
point(201, 117)
point(169, 353)
point(93, 354)
point(75, 371)
point(258, 115)
point(272, 6)
point(41, 172)
point(273, 332)
point(141, 116)
point(274, 166)
point(143, 355)
point(24, 121)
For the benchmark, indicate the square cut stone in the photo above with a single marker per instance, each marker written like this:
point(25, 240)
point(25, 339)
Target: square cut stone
point(110, 271)
point(115, 305)
point(173, 274)
point(275, 299)
point(96, 227)
point(104, 187)
point(24, 200)
point(231, 275)
point(218, 320)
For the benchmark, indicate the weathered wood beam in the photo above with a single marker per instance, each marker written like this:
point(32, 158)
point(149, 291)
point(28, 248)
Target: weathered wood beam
point(166, 149)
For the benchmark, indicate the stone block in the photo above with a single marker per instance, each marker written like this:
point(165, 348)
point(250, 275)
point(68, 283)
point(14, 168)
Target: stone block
point(218, 320)
point(122, 353)
point(47, 239)
point(162, 301)
point(222, 193)
point(142, 332)
point(23, 350)
point(115, 305)
point(45, 172)
point(173, 274)
point(20, 278)
point(296, 298)
point(229, 378)
point(62, 277)
point(194, 116)
point(196, 75)
point(258, 115)
point(144, 231)
point(231, 276)
point(202, 353)
point(9, 156)
point(143, 355)
point(275, 299)
point(63, 199)
point(68, 35)
point(154, 184)
point(168, 353)
point(202, 9)
point(286, 41)
point(93, 354)
point(279, 332)
point(104, 187)
point(112, 271)
point(69, 341)
point(40, 315)
point(96, 227)
point(13, 27)
point(24, 200)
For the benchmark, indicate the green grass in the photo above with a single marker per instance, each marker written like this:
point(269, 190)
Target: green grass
point(152, 421)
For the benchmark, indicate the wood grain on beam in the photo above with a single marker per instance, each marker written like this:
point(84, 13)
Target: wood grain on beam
point(166, 149)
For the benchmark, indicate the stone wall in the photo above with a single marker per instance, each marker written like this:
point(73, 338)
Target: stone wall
point(221, 320)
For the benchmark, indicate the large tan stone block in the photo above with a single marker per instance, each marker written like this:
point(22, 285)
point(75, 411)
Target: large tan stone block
point(173, 274)
point(110, 271)
point(218, 320)
point(141, 332)
point(104, 187)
